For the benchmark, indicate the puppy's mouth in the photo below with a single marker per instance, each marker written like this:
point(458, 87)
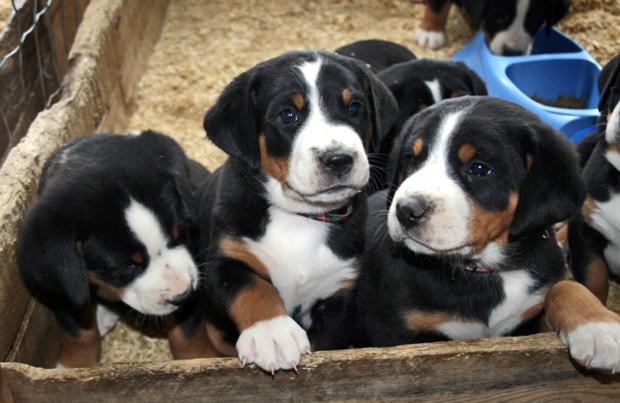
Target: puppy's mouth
point(465, 249)
point(328, 196)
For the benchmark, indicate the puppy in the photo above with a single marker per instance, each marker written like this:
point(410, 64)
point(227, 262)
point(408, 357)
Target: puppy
point(284, 216)
point(113, 222)
point(464, 248)
point(594, 237)
point(509, 25)
point(377, 54)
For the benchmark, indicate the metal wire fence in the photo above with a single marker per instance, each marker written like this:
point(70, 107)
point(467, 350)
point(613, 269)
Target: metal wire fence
point(33, 60)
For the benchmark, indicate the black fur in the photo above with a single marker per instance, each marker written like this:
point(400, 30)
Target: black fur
point(377, 54)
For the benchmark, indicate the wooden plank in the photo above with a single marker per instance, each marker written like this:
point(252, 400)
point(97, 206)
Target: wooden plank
point(98, 63)
point(521, 368)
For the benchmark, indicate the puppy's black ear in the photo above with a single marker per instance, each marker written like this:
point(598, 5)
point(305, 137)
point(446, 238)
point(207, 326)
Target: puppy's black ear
point(609, 85)
point(553, 189)
point(393, 173)
point(475, 10)
point(49, 260)
point(231, 122)
point(473, 80)
point(556, 10)
point(383, 113)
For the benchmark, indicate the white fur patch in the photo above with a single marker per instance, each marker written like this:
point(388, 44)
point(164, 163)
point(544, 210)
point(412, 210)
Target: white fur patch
point(612, 131)
point(459, 330)
point(430, 39)
point(170, 271)
point(435, 89)
point(515, 36)
point(595, 345)
point(447, 225)
point(606, 220)
point(301, 265)
point(273, 344)
point(106, 319)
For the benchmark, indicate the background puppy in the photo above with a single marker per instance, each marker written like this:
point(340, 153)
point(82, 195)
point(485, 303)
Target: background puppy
point(113, 222)
point(283, 217)
point(509, 25)
point(594, 237)
point(464, 249)
point(377, 54)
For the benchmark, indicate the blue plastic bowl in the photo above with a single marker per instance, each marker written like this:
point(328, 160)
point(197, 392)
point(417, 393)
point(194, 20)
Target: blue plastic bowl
point(556, 67)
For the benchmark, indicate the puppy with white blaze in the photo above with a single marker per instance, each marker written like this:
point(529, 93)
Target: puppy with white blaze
point(111, 230)
point(461, 245)
point(283, 218)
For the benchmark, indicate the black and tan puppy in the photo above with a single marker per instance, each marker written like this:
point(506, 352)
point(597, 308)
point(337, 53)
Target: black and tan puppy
point(376, 53)
point(594, 237)
point(464, 248)
point(284, 216)
point(509, 25)
point(113, 222)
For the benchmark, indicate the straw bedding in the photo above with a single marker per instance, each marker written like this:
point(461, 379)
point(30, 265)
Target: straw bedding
point(204, 44)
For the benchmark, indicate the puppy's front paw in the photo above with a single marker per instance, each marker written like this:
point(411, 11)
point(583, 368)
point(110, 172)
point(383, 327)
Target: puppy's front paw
point(273, 344)
point(430, 39)
point(595, 345)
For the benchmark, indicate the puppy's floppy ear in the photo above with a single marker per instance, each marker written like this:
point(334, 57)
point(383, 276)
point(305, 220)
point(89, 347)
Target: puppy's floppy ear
point(231, 122)
point(609, 85)
point(552, 190)
point(49, 260)
point(383, 113)
point(475, 10)
point(473, 80)
point(556, 10)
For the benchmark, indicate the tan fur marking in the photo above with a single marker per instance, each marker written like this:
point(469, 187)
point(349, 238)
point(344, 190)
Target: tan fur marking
point(457, 94)
point(587, 209)
point(217, 338)
point(175, 232)
point(106, 290)
point(85, 349)
point(136, 258)
point(197, 346)
point(419, 320)
point(418, 145)
point(259, 301)
point(346, 96)
point(597, 280)
point(561, 236)
point(486, 226)
point(435, 22)
point(277, 167)
point(529, 161)
point(613, 148)
point(466, 152)
point(298, 101)
point(421, 107)
point(238, 250)
point(531, 312)
point(569, 304)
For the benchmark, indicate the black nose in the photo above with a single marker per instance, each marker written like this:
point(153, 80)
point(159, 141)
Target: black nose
point(508, 51)
point(410, 211)
point(179, 299)
point(337, 163)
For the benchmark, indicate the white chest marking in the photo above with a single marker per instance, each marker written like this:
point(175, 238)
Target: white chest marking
point(435, 89)
point(301, 265)
point(606, 220)
point(506, 316)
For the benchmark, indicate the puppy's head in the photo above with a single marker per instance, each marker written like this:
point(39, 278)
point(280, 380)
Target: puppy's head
point(418, 84)
point(128, 236)
point(609, 106)
point(510, 25)
point(304, 120)
point(472, 174)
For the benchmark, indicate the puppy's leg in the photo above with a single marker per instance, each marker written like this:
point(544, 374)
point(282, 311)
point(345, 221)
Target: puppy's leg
point(591, 331)
point(431, 33)
point(187, 335)
point(81, 342)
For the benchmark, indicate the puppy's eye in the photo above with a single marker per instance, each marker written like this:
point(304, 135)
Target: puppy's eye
point(289, 116)
point(355, 108)
point(479, 169)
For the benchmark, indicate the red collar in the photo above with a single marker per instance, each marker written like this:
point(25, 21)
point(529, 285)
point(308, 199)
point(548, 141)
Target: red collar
point(336, 216)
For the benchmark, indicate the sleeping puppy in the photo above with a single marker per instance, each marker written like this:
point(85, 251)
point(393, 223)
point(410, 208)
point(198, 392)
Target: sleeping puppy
point(464, 248)
point(594, 237)
point(509, 25)
point(376, 53)
point(284, 216)
point(113, 222)
point(418, 84)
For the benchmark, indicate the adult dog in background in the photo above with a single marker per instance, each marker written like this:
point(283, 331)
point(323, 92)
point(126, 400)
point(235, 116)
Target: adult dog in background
point(283, 218)
point(112, 228)
point(509, 25)
point(465, 247)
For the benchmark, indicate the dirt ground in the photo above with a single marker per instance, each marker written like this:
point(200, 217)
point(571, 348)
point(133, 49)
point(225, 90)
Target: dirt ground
point(204, 44)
